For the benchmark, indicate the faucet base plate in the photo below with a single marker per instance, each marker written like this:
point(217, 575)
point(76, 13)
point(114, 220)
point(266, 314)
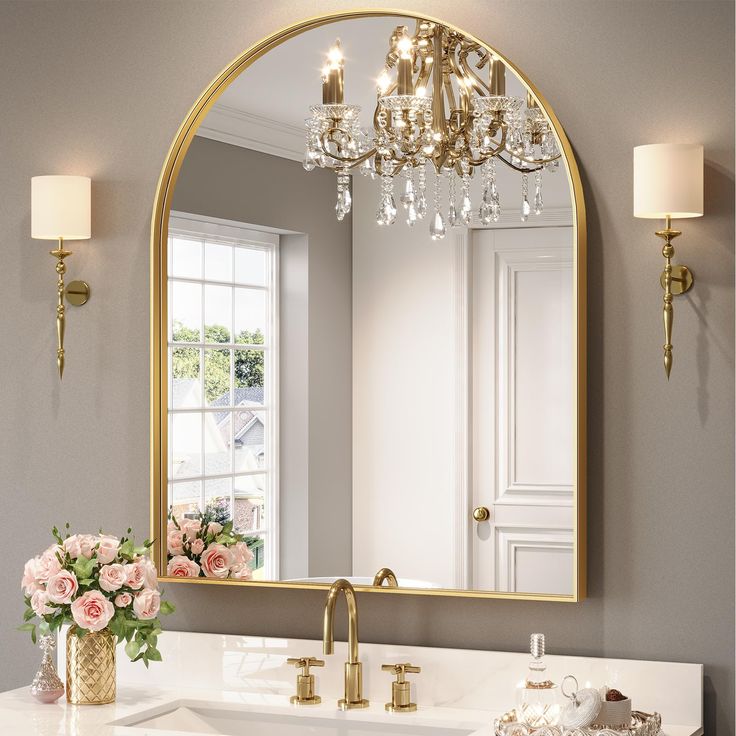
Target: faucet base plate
point(391, 708)
point(343, 704)
point(296, 700)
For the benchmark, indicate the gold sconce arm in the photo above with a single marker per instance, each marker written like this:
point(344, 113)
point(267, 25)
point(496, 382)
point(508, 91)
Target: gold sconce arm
point(77, 293)
point(675, 280)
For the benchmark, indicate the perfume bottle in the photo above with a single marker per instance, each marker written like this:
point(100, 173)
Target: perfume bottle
point(537, 698)
point(46, 686)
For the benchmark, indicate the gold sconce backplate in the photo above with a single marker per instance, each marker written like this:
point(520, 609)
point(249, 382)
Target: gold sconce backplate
point(682, 280)
point(77, 293)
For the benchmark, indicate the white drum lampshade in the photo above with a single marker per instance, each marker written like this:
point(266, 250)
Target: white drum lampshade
point(60, 207)
point(668, 180)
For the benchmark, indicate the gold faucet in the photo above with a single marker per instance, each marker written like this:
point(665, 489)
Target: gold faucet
point(387, 574)
point(353, 668)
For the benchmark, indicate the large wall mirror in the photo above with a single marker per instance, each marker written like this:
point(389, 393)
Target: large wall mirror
point(368, 276)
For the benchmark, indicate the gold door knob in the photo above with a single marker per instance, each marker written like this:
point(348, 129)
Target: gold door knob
point(481, 513)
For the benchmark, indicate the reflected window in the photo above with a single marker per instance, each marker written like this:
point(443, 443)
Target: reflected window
point(222, 360)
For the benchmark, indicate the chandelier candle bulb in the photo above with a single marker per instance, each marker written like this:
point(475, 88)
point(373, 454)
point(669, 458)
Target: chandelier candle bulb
point(497, 77)
point(405, 67)
point(332, 77)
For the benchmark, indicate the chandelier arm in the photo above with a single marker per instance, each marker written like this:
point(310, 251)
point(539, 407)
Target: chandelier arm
point(518, 168)
point(536, 161)
point(478, 84)
point(352, 160)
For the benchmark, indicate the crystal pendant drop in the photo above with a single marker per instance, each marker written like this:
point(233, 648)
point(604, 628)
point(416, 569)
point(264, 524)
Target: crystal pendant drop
point(466, 210)
point(525, 209)
point(452, 218)
point(344, 202)
point(411, 215)
point(407, 197)
point(538, 203)
point(421, 205)
point(386, 211)
point(437, 229)
point(485, 212)
point(308, 162)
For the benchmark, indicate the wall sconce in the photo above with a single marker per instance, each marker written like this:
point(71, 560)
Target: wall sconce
point(668, 182)
point(60, 210)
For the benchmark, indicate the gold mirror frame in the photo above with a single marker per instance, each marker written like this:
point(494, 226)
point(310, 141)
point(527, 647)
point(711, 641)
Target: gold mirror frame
point(159, 383)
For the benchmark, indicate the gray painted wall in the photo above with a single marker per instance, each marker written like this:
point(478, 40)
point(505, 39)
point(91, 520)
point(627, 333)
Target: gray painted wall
point(100, 89)
point(221, 180)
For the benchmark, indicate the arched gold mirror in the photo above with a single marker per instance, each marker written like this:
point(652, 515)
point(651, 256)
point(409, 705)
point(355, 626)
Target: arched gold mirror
point(368, 321)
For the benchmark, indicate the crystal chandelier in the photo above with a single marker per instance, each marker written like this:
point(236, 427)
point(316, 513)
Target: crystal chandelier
point(441, 100)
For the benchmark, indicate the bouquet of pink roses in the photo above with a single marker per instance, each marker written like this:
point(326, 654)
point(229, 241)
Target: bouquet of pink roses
point(202, 547)
point(96, 582)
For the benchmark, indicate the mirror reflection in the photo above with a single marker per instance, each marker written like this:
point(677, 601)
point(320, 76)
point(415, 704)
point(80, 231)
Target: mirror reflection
point(372, 321)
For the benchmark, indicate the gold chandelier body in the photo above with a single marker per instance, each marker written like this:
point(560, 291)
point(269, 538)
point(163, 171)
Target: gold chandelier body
point(441, 100)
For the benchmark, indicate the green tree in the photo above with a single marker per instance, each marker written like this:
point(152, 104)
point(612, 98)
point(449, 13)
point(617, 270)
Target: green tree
point(249, 364)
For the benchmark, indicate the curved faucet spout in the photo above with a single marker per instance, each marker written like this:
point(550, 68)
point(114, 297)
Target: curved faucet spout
point(328, 641)
point(387, 574)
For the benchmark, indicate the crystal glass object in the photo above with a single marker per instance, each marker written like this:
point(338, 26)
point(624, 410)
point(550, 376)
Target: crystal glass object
point(538, 702)
point(46, 686)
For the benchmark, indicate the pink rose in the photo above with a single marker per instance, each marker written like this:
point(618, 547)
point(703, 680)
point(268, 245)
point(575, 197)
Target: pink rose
point(146, 604)
point(47, 565)
point(197, 546)
point(182, 567)
point(191, 527)
point(216, 561)
point(123, 599)
point(38, 603)
point(241, 553)
point(108, 549)
point(150, 574)
point(112, 577)
point(92, 611)
point(135, 574)
point(28, 582)
point(242, 572)
point(170, 526)
point(62, 587)
point(80, 545)
point(214, 528)
point(175, 541)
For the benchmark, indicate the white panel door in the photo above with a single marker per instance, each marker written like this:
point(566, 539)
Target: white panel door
point(523, 409)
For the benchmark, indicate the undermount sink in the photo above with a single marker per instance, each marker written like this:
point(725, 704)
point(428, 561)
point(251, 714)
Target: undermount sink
point(239, 720)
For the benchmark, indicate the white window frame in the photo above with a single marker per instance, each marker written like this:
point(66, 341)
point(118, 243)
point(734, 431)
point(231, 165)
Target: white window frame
point(217, 230)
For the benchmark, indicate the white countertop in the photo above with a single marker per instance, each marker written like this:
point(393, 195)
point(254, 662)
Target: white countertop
point(456, 689)
point(22, 715)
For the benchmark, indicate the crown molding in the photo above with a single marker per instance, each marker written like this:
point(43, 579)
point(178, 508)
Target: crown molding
point(511, 218)
point(239, 128)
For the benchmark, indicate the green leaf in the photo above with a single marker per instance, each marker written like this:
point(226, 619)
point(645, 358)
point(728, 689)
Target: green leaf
point(83, 568)
point(167, 608)
point(132, 648)
point(153, 654)
point(29, 614)
point(127, 549)
point(26, 627)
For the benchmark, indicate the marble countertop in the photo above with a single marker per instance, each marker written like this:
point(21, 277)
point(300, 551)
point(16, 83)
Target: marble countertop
point(20, 713)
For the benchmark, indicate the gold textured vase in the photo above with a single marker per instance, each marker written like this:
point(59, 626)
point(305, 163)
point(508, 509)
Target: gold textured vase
point(90, 667)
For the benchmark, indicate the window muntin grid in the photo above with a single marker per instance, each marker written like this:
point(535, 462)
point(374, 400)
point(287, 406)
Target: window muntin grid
point(222, 415)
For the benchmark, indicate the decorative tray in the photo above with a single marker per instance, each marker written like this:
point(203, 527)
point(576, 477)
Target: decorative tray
point(642, 724)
